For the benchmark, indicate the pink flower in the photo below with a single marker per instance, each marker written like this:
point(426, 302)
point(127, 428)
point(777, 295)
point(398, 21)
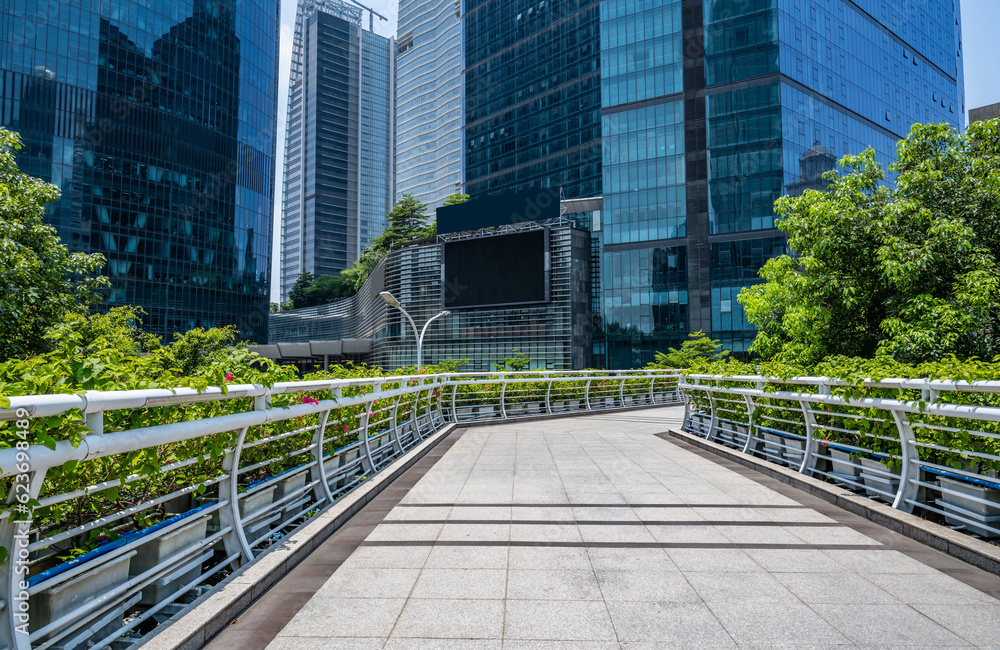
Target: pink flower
point(435, 393)
point(229, 377)
point(345, 427)
point(309, 400)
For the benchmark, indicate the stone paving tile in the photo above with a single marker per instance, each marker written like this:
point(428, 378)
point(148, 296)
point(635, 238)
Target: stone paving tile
point(666, 586)
point(977, 624)
point(558, 620)
point(668, 625)
point(776, 623)
point(740, 588)
point(545, 584)
point(468, 557)
point(451, 619)
point(370, 583)
point(476, 584)
point(345, 617)
point(889, 624)
point(840, 587)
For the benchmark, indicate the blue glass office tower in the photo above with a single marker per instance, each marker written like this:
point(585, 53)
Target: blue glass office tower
point(338, 185)
point(712, 109)
point(532, 96)
point(157, 121)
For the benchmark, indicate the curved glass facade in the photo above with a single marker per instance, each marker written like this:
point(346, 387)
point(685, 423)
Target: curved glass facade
point(429, 100)
point(157, 121)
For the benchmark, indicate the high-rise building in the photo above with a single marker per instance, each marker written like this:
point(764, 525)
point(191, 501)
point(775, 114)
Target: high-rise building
point(338, 184)
point(429, 100)
point(532, 96)
point(983, 113)
point(157, 121)
point(712, 109)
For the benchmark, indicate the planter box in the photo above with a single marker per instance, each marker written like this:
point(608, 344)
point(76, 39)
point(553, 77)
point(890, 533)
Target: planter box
point(572, 404)
point(558, 405)
point(253, 505)
point(486, 412)
point(795, 451)
point(161, 548)
point(629, 400)
point(463, 413)
point(842, 464)
point(286, 487)
point(773, 448)
point(978, 523)
point(609, 402)
point(178, 505)
point(55, 602)
point(879, 485)
point(513, 410)
point(970, 490)
point(533, 407)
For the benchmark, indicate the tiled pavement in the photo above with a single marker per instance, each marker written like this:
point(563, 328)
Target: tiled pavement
point(591, 532)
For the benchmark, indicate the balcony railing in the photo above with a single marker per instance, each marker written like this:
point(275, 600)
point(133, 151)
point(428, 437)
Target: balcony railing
point(166, 492)
point(924, 446)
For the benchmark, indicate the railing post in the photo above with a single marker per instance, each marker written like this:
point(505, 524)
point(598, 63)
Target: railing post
point(321, 492)
point(14, 536)
point(503, 395)
point(586, 391)
point(621, 391)
point(454, 407)
point(235, 540)
point(686, 422)
point(748, 446)
point(397, 442)
point(910, 472)
point(713, 425)
point(363, 437)
point(811, 454)
point(548, 394)
point(652, 385)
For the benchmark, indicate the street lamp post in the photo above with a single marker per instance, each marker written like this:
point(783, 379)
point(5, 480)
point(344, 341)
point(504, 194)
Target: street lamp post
point(389, 298)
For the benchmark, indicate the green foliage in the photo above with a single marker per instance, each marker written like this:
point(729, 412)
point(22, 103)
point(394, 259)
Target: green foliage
point(456, 199)
point(908, 270)
point(40, 280)
point(697, 350)
point(297, 294)
point(516, 363)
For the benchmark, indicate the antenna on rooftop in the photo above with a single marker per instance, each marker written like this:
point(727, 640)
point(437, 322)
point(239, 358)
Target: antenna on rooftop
point(371, 14)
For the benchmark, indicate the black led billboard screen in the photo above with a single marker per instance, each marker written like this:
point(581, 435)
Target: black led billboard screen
point(504, 209)
point(493, 271)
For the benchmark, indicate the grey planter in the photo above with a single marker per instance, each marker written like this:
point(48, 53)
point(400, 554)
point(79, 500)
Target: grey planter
point(572, 404)
point(970, 490)
point(161, 548)
point(254, 505)
point(465, 412)
point(514, 410)
point(486, 412)
point(533, 407)
point(286, 487)
point(59, 600)
point(795, 451)
point(773, 447)
point(879, 485)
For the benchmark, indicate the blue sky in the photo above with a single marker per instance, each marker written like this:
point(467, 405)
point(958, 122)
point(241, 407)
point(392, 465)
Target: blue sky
point(981, 54)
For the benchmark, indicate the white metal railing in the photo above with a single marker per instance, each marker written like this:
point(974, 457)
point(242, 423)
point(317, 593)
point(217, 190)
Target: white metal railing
point(167, 491)
point(921, 445)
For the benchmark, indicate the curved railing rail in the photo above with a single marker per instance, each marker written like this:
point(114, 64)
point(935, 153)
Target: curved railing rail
point(922, 445)
point(169, 491)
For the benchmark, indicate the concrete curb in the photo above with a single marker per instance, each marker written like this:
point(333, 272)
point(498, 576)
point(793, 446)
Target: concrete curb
point(968, 549)
point(208, 615)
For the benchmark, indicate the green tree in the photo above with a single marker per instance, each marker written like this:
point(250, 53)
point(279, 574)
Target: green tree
point(907, 268)
point(697, 350)
point(41, 282)
point(456, 199)
point(297, 294)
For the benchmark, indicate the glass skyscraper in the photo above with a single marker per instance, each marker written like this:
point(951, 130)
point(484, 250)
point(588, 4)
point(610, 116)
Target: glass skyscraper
point(429, 100)
point(338, 185)
point(532, 96)
point(157, 121)
point(712, 109)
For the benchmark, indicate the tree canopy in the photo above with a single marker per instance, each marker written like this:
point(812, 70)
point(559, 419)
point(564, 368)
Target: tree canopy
point(906, 267)
point(41, 281)
point(408, 222)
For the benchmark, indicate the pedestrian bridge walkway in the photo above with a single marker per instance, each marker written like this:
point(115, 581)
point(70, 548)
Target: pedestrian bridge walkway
point(595, 532)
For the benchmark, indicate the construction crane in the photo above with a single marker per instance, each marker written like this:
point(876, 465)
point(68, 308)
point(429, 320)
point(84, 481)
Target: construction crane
point(371, 14)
